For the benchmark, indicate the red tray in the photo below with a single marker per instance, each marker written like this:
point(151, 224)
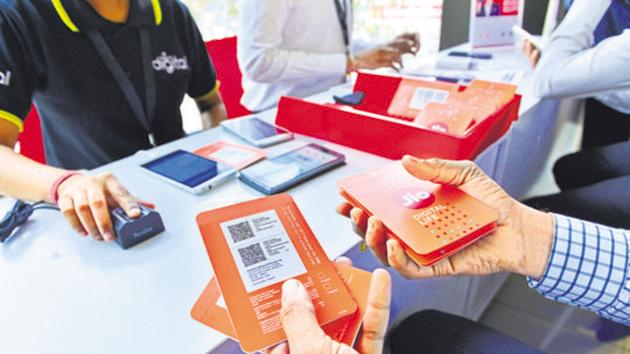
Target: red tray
point(375, 132)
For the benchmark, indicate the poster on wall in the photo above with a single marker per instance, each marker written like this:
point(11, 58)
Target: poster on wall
point(491, 22)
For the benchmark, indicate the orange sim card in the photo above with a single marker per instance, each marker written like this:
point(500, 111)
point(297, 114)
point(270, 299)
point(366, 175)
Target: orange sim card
point(431, 221)
point(254, 247)
point(485, 93)
point(210, 308)
point(495, 86)
point(413, 95)
point(233, 155)
point(446, 118)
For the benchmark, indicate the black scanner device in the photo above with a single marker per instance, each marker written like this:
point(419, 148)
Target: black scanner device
point(130, 232)
point(353, 99)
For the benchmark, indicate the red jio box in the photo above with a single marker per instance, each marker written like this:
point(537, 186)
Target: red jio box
point(368, 127)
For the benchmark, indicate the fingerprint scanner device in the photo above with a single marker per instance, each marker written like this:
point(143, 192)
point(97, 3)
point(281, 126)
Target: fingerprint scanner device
point(430, 221)
point(130, 232)
point(353, 99)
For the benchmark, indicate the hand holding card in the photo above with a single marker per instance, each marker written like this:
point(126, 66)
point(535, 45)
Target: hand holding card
point(254, 247)
point(210, 308)
point(298, 319)
point(515, 246)
point(430, 221)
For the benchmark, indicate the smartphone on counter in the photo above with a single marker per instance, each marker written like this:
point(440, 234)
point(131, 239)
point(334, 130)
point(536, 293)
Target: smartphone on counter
point(256, 131)
point(188, 171)
point(284, 171)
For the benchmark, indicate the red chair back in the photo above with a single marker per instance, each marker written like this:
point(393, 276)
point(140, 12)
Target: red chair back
point(31, 141)
point(223, 54)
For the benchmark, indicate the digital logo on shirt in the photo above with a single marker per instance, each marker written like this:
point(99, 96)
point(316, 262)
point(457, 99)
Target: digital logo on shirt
point(5, 78)
point(414, 198)
point(170, 63)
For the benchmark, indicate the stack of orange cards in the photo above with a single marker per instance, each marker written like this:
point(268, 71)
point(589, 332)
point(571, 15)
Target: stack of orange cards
point(234, 155)
point(254, 247)
point(413, 95)
point(464, 109)
point(429, 220)
point(210, 308)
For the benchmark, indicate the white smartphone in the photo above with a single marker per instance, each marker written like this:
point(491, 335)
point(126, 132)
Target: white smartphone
point(188, 171)
point(524, 35)
point(256, 131)
point(285, 171)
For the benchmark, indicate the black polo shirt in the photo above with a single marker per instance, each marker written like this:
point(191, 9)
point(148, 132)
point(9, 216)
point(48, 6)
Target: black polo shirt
point(46, 57)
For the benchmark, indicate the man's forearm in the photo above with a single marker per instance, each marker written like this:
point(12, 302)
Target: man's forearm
point(588, 268)
point(213, 117)
point(25, 179)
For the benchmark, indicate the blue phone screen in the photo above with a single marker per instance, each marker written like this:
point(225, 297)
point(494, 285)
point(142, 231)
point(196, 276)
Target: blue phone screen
point(185, 168)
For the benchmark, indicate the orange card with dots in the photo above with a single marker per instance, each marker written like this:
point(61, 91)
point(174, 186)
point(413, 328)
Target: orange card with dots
point(431, 221)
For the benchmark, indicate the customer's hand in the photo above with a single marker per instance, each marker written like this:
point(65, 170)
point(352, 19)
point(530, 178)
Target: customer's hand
point(521, 243)
point(406, 43)
point(379, 57)
point(85, 202)
point(304, 335)
point(532, 52)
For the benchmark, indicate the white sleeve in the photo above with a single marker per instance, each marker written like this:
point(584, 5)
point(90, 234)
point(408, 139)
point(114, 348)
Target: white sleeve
point(361, 45)
point(571, 67)
point(259, 47)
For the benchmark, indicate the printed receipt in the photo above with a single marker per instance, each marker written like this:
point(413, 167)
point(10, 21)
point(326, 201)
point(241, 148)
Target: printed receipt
point(262, 250)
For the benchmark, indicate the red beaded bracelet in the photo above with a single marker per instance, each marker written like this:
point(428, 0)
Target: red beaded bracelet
point(54, 189)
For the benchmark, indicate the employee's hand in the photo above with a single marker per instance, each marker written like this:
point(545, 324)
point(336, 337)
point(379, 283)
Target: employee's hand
point(85, 202)
point(304, 335)
point(212, 110)
point(532, 52)
point(379, 57)
point(406, 43)
point(521, 243)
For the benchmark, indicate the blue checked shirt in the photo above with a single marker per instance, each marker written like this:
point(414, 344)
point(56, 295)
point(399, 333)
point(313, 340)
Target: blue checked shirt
point(588, 268)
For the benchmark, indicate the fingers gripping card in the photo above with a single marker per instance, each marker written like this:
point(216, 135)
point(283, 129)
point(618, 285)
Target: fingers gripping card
point(430, 221)
point(254, 247)
point(210, 308)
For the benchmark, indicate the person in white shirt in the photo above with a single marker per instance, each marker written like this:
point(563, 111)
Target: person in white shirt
point(581, 61)
point(583, 58)
point(301, 47)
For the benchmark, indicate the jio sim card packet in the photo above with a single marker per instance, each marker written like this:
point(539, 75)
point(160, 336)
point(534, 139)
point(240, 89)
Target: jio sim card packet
point(233, 155)
point(413, 95)
point(495, 86)
point(210, 308)
point(446, 118)
point(431, 221)
point(254, 247)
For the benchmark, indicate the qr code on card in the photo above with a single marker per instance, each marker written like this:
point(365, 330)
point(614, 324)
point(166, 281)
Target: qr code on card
point(251, 255)
point(241, 231)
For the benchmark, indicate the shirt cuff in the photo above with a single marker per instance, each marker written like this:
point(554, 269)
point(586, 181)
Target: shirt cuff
point(332, 65)
point(587, 266)
point(12, 118)
point(217, 85)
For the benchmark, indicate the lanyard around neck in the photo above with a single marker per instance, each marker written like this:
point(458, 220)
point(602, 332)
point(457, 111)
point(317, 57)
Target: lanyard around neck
point(342, 14)
point(143, 114)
